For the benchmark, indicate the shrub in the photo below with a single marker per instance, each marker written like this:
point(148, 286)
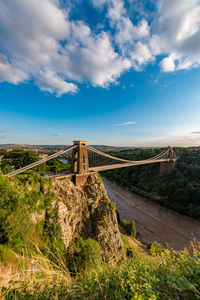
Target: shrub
point(83, 255)
point(129, 227)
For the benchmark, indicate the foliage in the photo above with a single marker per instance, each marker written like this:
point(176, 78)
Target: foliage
point(55, 165)
point(178, 190)
point(19, 158)
point(129, 227)
point(167, 275)
point(83, 255)
point(52, 233)
point(5, 167)
point(22, 199)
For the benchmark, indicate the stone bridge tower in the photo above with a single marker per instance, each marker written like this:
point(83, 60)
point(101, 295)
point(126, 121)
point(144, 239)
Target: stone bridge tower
point(80, 164)
point(170, 163)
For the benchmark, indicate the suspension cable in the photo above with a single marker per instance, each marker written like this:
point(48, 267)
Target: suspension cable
point(125, 160)
point(39, 162)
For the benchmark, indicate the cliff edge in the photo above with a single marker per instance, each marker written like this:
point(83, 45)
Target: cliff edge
point(86, 211)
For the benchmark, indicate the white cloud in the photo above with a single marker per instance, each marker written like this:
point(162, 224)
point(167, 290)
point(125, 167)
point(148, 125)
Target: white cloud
point(140, 55)
point(177, 34)
point(99, 3)
point(126, 123)
point(11, 72)
point(94, 59)
point(174, 33)
point(30, 31)
point(128, 36)
point(31, 34)
point(40, 42)
point(168, 64)
point(58, 134)
point(49, 81)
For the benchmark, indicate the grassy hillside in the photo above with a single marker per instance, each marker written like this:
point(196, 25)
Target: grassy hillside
point(158, 274)
point(34, 265)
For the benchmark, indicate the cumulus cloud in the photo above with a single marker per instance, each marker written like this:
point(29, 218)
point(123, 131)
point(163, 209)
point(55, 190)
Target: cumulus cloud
point(126, 123)
point(40, 41)
point(178, 32)
point(168, 64)
point(173, 33)
point(128, 37)
point(92, 58)
point(30, 34)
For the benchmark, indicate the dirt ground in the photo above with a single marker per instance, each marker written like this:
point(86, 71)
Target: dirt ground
point(153, 222)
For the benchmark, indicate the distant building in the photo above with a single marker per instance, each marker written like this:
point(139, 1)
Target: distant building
point(43, 155)
point(35, 150)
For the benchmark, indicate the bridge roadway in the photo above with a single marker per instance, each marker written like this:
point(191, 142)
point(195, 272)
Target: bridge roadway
point(102, 168)
point(67, 173)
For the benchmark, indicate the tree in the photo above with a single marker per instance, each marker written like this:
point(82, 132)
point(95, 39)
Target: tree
point(20, 158)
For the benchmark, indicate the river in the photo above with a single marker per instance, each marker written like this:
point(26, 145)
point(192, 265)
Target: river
point(153, 222)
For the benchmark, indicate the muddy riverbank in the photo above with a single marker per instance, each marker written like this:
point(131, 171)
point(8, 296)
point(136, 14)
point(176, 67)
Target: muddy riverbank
point(153, 222)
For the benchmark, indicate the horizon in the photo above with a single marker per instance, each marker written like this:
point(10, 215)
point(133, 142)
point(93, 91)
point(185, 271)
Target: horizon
point(101, 145)
point(119, 72)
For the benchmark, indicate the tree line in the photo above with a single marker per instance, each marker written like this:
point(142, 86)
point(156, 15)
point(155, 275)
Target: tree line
point(18, 158)
point(178, 190)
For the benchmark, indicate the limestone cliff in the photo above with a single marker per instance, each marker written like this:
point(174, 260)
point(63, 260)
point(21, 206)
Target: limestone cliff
point(87, 212)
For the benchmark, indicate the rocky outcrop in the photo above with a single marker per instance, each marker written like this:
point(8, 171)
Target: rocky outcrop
point(87, 212)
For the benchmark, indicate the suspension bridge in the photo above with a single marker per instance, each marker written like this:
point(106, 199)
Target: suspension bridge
point(86, 159)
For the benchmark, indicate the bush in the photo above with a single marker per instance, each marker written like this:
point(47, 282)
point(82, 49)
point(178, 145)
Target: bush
point(83, 255)
point(129, 227)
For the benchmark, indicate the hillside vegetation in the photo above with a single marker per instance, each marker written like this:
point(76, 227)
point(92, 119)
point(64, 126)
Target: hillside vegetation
point(179, 190)
point(35, 262)
point(18, 158)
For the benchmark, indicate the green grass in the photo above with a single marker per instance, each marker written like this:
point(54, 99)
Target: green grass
point(161, 275)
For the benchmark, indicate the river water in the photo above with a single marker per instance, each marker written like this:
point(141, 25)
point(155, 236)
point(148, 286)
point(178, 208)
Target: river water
point(153, 222)
point(63, 160)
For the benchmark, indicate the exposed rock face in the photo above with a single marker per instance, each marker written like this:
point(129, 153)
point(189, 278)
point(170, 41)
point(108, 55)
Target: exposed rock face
point(86, 211)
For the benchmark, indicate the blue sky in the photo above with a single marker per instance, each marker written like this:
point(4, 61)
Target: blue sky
point(120, 72)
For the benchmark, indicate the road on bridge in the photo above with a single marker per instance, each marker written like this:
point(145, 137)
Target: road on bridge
point(153, 222)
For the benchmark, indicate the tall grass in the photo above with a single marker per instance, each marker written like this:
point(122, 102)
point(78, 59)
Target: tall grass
point(167, 275)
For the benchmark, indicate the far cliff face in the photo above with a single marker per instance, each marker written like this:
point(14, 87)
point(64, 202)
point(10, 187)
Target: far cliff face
point(86, 211)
